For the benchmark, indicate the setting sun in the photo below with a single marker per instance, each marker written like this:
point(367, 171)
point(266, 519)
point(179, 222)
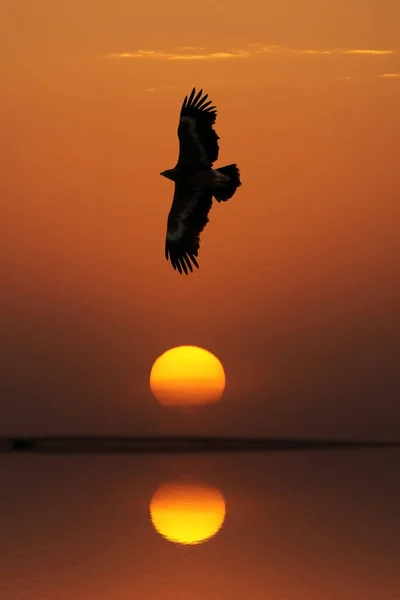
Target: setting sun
point(187, 513)
point(187, 376)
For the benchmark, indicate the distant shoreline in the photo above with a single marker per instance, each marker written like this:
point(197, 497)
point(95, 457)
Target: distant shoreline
point(175, 444)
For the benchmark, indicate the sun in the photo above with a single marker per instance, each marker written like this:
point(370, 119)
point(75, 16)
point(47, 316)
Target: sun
point(187, 513)
point(187, 376)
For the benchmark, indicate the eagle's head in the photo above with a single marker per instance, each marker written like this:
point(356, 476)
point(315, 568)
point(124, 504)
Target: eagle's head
point(170, 174)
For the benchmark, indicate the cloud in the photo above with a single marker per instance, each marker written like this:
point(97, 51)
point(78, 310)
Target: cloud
point(313, 52)
point(372, 52)
point(184, 48)
point(261, 48)
point(253, 50)
point(390, 76)
point(160, 55)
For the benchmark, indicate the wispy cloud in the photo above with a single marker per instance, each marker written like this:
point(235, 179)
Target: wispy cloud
point(185, 48)
point(262, 48)
point(160, 55)
point(253, 50)
point(390, 76)
point(372, 52)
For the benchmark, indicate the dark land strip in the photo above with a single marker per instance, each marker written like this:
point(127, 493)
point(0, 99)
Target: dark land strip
point(192, 444)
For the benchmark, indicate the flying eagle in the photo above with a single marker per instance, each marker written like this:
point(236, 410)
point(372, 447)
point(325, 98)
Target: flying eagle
point(196, 182)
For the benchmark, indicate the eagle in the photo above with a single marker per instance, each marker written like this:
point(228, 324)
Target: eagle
point(196, 182)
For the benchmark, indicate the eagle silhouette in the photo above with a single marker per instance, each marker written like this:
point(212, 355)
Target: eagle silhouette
point(196, 182)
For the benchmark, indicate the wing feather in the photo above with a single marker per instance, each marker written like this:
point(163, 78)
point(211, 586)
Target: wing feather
point(198, 141)
point(186, 220)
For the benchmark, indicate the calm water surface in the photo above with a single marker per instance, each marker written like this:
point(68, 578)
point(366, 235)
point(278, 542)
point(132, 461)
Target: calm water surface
point(273, 526)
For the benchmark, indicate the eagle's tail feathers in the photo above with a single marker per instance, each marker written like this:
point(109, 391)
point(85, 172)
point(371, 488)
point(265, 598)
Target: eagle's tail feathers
point(227, 191)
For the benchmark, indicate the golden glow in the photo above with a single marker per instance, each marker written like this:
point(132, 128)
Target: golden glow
point(187, 376)
point(187, 513)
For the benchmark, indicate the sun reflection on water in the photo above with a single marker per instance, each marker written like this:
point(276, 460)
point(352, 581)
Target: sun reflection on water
point(187, 513)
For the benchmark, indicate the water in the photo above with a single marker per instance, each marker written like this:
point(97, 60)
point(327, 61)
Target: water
point(279, 526)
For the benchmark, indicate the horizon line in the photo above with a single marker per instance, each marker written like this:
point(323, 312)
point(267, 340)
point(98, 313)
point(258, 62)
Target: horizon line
point(80, 444)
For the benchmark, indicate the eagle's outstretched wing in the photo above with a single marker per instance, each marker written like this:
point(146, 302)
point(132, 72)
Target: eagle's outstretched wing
point(186, 220)
point(198, 142)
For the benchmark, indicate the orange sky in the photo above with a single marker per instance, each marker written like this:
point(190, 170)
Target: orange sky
point(297, 292)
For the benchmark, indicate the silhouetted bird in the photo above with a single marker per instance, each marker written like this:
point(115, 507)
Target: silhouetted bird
point(196, 182)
